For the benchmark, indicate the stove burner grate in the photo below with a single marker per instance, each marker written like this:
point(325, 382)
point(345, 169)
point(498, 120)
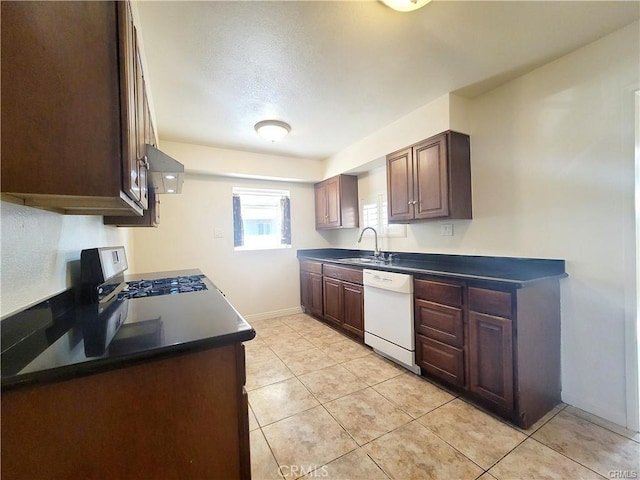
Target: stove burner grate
point(163, 286)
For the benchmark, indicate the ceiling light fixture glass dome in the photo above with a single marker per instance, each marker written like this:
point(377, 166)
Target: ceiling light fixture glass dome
point(273, 130)
point(405, 5)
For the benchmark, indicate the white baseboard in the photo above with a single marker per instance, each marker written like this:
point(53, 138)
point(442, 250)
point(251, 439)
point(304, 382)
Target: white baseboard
point(276, 313)
point(602, 411)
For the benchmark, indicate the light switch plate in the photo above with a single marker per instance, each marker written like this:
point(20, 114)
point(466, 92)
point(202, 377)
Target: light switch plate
point(446, 230)
point(218, 233)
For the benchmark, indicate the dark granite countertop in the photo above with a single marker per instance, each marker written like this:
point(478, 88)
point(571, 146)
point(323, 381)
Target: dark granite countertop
point(58, 339)
point(511, 271)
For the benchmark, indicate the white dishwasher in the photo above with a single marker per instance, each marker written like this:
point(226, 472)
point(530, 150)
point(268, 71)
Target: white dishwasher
point(388, 316)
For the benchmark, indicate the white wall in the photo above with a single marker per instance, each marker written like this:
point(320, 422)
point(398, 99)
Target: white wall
point(552, 157)
point(261, 283)
point(423, 122)
point(566, 134)
point(41, 252)
point(220, 161)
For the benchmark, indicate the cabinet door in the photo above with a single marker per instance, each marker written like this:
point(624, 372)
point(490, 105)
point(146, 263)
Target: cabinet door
point(431, 181)
point(400, 186)
point(333, 300)
point(141, 146)
point(130, 165)
point(148, 129)
point(353, 298)
point(155, 212)
point(320, 191)
point(491, 358)
point(150, 217)
point(332, 187)
point(305, 299)
point(315, 294)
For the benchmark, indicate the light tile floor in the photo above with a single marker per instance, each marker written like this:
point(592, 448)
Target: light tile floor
point(324, 406)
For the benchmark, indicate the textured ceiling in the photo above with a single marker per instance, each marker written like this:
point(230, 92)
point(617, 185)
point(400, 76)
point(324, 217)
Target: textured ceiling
point(339, 70)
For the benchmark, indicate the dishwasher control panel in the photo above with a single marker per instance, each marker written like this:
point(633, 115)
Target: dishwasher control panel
point(397, 282)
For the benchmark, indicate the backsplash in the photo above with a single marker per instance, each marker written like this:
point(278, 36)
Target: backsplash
point(41, 252)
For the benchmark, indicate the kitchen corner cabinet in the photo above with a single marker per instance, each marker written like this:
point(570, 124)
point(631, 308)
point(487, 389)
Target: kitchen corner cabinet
point(74, 112)
point(430, 180)
point(336, 202)
point(499, 345)
point(150, 217)
point(311, 287)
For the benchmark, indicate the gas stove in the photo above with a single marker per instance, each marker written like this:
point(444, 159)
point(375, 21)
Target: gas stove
point(163, 286)
point(102, 279)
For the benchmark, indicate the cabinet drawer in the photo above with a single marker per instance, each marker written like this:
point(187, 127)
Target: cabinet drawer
point(446, 293)
point(440, 322)
point(441, 360)
point(492, 302)
point(310, 266)
point(353, 275)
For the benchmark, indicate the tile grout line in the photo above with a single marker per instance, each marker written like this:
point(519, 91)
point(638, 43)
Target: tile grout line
point(598, 424)
point(412, 419)
point(527, 437)
point(566, 456)
point(272, 452)
point(296, 376)
point(454, 447)
point(331, 415)
point(323, 349)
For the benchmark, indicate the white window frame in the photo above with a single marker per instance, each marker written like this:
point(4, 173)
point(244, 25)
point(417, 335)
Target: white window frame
point(250, 242)
point(374, 213)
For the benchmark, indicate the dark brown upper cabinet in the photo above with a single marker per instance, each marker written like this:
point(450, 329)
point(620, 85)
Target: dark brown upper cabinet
point(73, 108)
point(150, 217)
point(430, 180)
point(337, 202)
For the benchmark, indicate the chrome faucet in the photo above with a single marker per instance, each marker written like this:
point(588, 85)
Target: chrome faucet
point(376, 252)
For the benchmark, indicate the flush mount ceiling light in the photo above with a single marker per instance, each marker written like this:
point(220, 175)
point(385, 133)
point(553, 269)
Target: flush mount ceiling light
point(273, 130)
point(405, 5)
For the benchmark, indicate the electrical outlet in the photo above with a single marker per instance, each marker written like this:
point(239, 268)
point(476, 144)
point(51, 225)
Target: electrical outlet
point(218, 233)
point(446, 230)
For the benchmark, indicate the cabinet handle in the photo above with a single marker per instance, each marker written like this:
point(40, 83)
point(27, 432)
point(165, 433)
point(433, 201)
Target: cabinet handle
point(144, 162)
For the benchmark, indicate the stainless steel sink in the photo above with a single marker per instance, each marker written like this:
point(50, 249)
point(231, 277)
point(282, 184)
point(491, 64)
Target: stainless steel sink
point(366, 260)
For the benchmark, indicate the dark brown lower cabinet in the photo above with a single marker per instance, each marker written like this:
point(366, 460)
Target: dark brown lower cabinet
point(441, 360)
point(491, 358)
point(344, 305)
point(311, 287)
point(333, 300)
point(498, 344)
point(183, 416)
point(334, 294)
point(353, 298)
point(439, 323)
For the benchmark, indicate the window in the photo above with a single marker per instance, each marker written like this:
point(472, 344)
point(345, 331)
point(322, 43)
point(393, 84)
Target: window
point(375, 214)
point(261, 219)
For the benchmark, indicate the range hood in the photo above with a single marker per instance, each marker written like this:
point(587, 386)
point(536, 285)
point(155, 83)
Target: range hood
point(166, 175)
